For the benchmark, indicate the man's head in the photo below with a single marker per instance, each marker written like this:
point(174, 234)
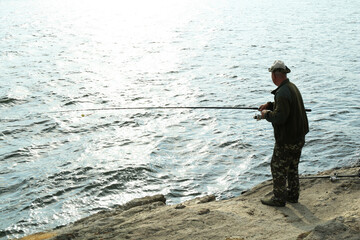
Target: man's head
point(279, 72)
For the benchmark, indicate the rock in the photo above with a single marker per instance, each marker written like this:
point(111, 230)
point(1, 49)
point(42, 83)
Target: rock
point(251, 212)
point(208, 198)
point(333, 229)
point(141, 208)
point(332, 226)
point(204, 211)
point(65, 237)
point(180, 206)
point(145, 200)
point(303, 235)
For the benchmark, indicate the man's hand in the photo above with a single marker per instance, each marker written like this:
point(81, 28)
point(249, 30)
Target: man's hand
point(263, 107)
point(263, 113)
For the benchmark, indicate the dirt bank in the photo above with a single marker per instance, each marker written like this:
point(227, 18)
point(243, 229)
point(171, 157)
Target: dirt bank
point(326, 210)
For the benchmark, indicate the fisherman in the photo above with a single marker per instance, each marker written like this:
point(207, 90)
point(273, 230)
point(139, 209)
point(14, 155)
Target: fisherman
point(288, 117)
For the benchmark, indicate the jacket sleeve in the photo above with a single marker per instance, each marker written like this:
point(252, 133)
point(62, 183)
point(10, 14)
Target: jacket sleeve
point(280, 114)
point(270, 106)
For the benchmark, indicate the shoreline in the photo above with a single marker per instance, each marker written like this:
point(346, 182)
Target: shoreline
point(326, 210)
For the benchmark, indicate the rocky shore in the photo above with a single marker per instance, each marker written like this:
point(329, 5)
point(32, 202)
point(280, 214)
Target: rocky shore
point(326, 210)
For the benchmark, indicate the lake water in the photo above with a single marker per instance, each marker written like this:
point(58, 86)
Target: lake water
point(57, 167)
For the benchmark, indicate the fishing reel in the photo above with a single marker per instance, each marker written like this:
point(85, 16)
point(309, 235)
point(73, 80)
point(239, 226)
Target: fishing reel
point(258, 117)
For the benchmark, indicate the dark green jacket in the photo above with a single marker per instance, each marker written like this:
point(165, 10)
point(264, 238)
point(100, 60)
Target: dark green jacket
point(287, 114)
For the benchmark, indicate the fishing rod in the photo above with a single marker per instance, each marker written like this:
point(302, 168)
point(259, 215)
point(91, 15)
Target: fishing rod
point(333, 177)
point(156, 108)
point(145, 108)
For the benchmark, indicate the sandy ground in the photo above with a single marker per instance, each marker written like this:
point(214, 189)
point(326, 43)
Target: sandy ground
point(326, 210)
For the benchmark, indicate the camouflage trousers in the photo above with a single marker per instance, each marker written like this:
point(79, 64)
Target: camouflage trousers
point(284, 166)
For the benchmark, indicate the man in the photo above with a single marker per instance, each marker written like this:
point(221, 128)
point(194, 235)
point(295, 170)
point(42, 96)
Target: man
point(288, 117)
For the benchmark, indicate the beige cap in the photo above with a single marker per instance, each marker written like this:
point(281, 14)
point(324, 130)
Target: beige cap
point(280, 66)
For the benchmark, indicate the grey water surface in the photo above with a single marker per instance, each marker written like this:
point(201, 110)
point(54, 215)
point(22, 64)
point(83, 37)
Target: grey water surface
point(57, 167)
